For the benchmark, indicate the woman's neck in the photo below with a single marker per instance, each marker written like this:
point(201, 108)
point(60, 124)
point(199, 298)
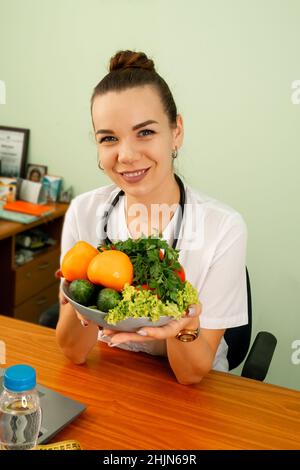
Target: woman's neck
point(168, 193)
point(151, 214)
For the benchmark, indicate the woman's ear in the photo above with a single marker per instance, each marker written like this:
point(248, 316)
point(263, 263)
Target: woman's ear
point(178, 132)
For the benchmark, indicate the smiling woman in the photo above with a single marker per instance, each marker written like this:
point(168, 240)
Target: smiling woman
point(137, 150)
point(137, 175)
point(138, 133)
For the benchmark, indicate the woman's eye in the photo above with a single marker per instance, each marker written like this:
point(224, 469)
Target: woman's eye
point(146, 132)
point(107, 138)
point(111, 138)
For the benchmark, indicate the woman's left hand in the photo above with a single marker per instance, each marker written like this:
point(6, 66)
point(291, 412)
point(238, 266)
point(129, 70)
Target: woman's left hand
point(189, 321)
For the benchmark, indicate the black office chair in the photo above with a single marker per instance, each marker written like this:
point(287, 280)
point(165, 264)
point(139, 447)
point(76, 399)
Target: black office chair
point(258, 361)
point(50, 316)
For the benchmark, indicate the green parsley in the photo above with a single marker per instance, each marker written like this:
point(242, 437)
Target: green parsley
point(155, 264)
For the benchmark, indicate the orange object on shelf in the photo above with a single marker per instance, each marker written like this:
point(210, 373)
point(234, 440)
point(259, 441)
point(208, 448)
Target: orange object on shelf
point(28, 208)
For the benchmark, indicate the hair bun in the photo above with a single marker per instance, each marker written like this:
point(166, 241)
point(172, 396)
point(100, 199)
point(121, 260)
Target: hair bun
point(131, 59)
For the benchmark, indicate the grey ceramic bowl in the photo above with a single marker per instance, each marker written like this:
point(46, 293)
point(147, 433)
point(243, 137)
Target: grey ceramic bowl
point(130, 324)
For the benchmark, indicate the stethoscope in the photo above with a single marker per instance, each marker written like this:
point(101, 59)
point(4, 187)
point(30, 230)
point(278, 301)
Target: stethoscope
point(121, 193)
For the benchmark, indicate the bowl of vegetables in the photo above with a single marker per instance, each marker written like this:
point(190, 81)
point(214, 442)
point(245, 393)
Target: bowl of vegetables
point(127, 285)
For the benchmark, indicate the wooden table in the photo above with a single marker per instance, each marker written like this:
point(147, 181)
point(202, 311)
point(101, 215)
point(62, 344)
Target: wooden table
point(134, 401)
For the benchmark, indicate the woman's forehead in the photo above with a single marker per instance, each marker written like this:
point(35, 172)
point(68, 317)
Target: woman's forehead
point(133, 105)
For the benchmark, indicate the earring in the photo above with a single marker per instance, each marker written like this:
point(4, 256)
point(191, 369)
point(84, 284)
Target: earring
point(175, 153)
point(99, 165)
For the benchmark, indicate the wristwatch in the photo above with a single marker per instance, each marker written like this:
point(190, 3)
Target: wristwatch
point(188, 335)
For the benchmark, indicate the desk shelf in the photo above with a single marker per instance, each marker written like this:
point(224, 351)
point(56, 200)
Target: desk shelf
point(27, 290)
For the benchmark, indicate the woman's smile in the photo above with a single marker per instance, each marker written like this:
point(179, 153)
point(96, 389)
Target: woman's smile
point(134, 176)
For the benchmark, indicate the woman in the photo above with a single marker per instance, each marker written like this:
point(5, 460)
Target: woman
point(35, 175)
point(138, 133)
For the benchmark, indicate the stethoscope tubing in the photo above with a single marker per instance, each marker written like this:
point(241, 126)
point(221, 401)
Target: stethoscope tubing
point(121, 193)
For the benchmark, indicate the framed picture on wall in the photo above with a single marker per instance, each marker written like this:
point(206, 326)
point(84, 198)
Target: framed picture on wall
point(13, 151)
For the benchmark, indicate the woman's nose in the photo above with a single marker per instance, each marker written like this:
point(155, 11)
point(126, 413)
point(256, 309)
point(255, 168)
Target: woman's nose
point(127, 154)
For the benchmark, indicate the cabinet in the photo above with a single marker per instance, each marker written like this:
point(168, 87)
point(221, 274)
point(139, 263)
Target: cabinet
point(27, 290)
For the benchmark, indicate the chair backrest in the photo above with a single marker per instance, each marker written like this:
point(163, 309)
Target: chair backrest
point(238, 338)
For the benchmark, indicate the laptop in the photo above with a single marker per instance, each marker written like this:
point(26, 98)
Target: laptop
point(58, 410)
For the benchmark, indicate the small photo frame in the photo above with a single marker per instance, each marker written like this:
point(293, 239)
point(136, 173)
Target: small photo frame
point(66, 195)
point(13, 151)
point(36, 172)
point(52, 187)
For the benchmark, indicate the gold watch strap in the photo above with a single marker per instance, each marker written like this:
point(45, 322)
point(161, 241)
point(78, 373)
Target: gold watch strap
point(187, 336)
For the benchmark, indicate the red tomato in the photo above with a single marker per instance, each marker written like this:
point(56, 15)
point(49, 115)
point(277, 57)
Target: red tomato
point(181, 274)
point(146, 287)
point(143, 287)
point(161, 254)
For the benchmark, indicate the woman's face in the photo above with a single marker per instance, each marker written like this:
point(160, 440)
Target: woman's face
point(135, 140)
point(35, 176)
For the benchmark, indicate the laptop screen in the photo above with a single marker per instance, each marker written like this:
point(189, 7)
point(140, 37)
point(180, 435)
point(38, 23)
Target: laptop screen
point(57, 410)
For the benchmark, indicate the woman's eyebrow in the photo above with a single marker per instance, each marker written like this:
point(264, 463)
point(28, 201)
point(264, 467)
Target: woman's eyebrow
point(137, 126)
point(143, 124)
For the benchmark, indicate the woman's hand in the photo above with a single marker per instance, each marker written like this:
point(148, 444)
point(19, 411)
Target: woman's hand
point(189, 321)
point(62, 298)
point(63, 301)
point(84, 321)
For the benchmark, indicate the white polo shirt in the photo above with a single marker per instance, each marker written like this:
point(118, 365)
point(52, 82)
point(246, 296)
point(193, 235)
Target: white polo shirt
point(212, 243)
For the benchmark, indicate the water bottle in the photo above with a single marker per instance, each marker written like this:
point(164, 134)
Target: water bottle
point(20, 409)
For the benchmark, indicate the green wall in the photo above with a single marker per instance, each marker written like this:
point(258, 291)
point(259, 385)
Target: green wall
point(230, 65)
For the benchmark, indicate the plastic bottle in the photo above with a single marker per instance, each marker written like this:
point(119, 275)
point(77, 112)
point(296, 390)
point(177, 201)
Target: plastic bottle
point(20, 410)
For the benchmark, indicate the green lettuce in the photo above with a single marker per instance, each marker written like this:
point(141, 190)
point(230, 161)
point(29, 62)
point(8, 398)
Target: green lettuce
point(136, 303)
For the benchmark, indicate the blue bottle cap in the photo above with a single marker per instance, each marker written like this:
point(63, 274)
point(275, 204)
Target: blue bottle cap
point(19, 378)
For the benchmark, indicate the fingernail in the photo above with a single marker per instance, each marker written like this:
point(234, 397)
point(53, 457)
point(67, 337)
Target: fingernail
point(142, 333)
point(191, 312)
point(113, 345)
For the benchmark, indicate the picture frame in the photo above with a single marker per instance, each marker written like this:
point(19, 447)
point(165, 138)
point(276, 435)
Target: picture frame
point(13, 151)
point(66, 195)
point(36, 172)
point(52, 186)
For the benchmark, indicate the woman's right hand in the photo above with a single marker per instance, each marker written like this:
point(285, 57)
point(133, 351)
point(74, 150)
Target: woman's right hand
point(62, 298)
point(83, 320)
point(63, 301)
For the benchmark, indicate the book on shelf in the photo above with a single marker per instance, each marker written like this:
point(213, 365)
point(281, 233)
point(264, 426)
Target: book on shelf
point(29, 208)
point(17, 217)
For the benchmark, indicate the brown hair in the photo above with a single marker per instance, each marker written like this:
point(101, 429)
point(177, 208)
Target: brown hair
point(129, 69)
